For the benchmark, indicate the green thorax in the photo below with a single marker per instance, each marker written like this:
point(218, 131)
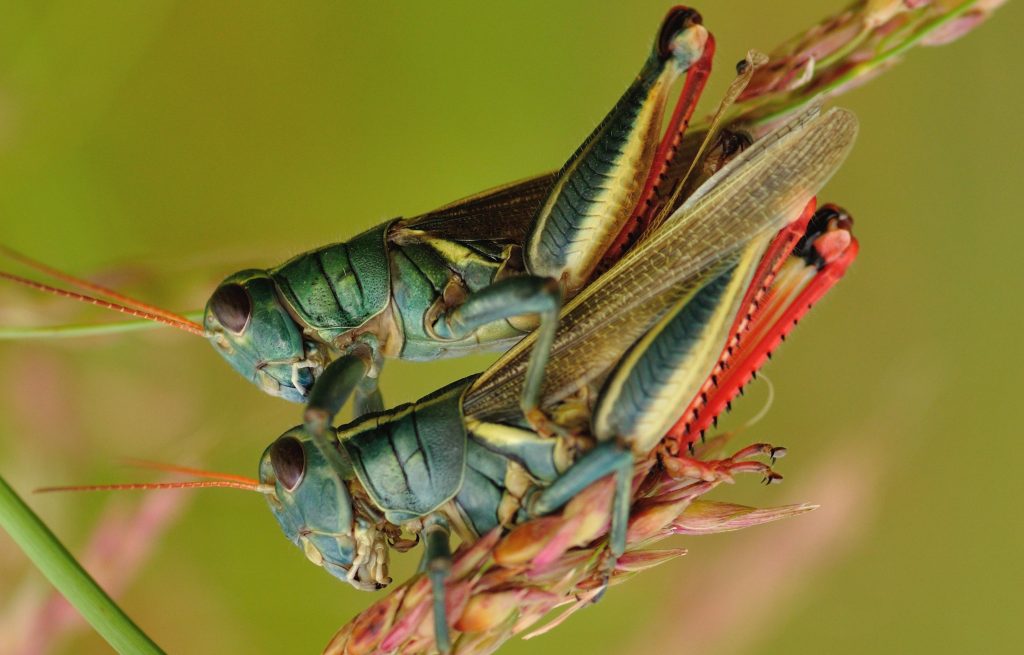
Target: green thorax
point(504, 463)
point(339, 287)
point(412, 459)
point(431, 275)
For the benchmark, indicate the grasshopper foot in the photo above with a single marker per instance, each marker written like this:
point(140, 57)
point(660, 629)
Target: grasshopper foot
point(723, 470)
point(604, 576)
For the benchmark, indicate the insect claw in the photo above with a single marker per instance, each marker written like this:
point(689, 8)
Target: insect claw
point(778, 452)
point(606, 577)
point(771, 477)
point(607, 568)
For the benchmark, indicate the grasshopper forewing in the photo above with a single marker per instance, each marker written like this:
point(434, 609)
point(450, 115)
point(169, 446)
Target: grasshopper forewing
point(756, 194)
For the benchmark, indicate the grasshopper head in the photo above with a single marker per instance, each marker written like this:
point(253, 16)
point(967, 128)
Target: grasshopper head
point(313, 505)
point(250, 327)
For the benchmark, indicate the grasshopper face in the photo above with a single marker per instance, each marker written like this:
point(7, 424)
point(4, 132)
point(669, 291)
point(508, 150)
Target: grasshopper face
point(250, 327)
point(313, 506)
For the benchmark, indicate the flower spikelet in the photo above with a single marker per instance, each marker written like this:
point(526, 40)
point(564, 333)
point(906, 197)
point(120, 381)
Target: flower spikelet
point(504, 584)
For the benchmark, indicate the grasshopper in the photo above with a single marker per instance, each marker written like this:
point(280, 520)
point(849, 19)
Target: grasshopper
point(642, 342)
point(664, 339)
point(476, 274)
point(479, 272)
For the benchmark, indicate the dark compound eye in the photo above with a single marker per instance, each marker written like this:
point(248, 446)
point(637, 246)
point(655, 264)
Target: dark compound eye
point(289, 462)
point(231, 305)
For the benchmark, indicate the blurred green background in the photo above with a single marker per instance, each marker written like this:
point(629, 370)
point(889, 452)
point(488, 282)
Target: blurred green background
point(160, 146)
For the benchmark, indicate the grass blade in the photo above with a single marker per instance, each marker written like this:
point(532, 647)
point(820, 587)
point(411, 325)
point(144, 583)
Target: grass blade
point(68, 576)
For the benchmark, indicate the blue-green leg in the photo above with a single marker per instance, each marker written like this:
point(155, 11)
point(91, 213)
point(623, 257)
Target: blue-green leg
point(606, 458)
point(330, 391)
point(437, 562)
point(333, 388)
point(510, 298)
point(367, 398)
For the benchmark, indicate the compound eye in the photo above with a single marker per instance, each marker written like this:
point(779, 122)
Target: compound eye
point(289, 461)
point(231, 305)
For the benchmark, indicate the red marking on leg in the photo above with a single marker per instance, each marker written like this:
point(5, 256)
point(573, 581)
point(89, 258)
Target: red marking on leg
point(645, 210)
point(757, 296)
point(756, 334)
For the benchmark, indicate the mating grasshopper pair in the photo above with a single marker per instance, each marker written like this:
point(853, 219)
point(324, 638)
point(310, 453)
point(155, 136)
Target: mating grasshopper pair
point(652, 346)
point(629, 356)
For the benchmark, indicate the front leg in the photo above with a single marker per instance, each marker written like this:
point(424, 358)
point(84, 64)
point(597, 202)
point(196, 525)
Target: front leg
point(511, 298)
point(367, 398)
point(437, 562)
point(330, 391)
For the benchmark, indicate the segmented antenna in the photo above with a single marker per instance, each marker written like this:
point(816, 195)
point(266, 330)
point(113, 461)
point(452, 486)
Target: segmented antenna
point(153, 486)
point(223, 480)
point(88, 285)
point(164, 317)
point(187, 470)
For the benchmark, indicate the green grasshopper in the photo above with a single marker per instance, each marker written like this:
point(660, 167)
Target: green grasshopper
point(706, 292)
point(643, 339)
point(664, 339)
point(473, 275)
point(477, 273)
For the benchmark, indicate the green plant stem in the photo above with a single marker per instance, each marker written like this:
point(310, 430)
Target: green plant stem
point(68, 576)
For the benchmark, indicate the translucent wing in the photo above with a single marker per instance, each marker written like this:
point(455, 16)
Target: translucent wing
point(759, 191)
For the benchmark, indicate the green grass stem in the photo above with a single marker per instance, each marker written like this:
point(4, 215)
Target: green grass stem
point(68, 576)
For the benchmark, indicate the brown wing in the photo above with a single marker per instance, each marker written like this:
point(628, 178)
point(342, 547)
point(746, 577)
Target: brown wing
point(502, 214)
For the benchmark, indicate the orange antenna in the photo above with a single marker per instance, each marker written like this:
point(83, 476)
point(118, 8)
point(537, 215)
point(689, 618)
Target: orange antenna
point(87, 285)
point(179, 322)
point(199, 473)
point(151, 486)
